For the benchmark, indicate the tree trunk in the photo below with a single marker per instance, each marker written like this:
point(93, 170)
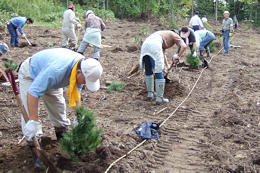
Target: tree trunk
point(107, 4)
point(192, 10)
point(97, 4)
point(251, 13)
point(216, 11)
point(256, 13)
point(104, 5)
point(239, 8)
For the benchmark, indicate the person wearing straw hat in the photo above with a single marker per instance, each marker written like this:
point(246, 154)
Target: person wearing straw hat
point(15, 24)
point(3, 49)
point(195, 22)
point(68, 31)
point(43, 76)
point(153, 59)
point(227, 29)
point(94, 26)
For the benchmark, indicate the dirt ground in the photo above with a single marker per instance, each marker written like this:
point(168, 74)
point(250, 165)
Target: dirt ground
point(210, 127)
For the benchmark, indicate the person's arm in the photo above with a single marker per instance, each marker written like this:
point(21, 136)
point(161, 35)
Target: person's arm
point(165, 60)
point(32, 104)
point(73, 18)
point(194, 45)
point(103, 26)
point(183, 47)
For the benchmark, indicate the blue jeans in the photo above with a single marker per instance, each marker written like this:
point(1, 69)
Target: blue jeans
point(14, 35)
point(149, 66)
point(206, 41)
point(195, 28)
point(226, 41)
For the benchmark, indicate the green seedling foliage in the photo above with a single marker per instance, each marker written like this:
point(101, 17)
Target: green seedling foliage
point(193, 61)
point(212, 47)
point(9, 64)
point(84, 137)
point(116, 86)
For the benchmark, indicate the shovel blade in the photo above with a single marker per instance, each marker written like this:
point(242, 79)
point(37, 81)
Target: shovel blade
point(45, 160)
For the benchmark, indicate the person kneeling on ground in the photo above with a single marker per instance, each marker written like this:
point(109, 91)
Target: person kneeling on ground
point(3, 49)
point(44, 75)
point(205, 38)
point(153, 58)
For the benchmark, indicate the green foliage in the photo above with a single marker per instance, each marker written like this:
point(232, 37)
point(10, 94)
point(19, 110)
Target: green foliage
point(116, 86)
point(9, 64)
point(50, 44)
point(137, 38)
point(212, 47)
point(83, 138)
point(145, 30)
point(173, 25)
point(193, 61)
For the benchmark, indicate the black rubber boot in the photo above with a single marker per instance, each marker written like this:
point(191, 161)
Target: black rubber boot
point(36, 161)
point(80, 53)
point(59, 132)
point(205, 63)
point(208, 52)
point(201, 53)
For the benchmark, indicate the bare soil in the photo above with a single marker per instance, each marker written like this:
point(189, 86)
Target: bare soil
point(215, 128)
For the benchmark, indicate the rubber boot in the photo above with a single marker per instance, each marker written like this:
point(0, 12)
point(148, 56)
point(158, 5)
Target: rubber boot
point(59, 132)
point(149, 81)
point(71, 46)
point(201, 53)
point(208, 52)
point(36, 161)
point(159, 85)
point(204, 63)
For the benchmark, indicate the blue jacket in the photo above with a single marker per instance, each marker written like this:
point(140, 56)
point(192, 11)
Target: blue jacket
point(19, 22)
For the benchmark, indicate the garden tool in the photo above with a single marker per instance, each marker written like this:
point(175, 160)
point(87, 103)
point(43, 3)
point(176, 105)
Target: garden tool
point(37, 149)
point(174, 63)
point(27, 41)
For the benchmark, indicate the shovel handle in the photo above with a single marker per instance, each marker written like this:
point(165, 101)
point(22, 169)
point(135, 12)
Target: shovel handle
point(27, 41)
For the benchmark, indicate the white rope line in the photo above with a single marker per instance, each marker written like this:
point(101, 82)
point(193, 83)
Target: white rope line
point(168, 116)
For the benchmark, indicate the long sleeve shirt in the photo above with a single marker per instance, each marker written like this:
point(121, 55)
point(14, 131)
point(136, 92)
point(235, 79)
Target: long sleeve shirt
point(19, 22)
point(51, 69)
point(94, 22)
point(195, 20)
point(69, 19)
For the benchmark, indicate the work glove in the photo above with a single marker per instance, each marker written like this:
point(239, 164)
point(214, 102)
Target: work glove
point(24, 35)
point(30, 129)
point(176, 58)
point(79, 25)
point(230, 34)
point(194, 54)
point(75, 122)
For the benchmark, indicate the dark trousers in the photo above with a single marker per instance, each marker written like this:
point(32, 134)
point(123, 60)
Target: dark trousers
point(14, 35)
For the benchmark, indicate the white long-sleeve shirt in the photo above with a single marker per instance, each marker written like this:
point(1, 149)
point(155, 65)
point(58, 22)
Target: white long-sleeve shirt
point(69, 19)
point(195, 20)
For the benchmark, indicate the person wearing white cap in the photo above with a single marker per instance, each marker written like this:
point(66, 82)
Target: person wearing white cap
point(227, 29)
point(94, 26)
point(68, 32)
point(44, 75)
point(195, 22)
point(3, 49)
point(153, 59)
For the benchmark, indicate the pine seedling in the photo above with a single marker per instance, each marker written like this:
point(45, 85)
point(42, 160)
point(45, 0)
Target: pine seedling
point(84, 137)
point(193, 61)
point(9, 64)
point(116, 86)
point(212, 47)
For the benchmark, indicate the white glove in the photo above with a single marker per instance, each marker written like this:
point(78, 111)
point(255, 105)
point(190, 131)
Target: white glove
point(176, 58)
point(167, 67)
point(79, 25)
point(194, 54)
point(75, 122)
point(30, 129)
point(24, 35)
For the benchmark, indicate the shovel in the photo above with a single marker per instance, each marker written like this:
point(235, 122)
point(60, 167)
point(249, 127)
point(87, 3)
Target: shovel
point(37, 150)
point(27, 41)
point(174, 63)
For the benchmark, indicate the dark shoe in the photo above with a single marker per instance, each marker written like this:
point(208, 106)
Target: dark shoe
point(63, 47)
point(59, 132)
point(80, 53)
point(16, 45)
point(208, 53)
point(205, 63)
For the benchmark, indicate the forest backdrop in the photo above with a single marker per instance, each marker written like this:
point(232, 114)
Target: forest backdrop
point(49, 12)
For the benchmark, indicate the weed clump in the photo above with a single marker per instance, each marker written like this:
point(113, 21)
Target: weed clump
point(116, 86)
point(9, 64)
point(84, 137)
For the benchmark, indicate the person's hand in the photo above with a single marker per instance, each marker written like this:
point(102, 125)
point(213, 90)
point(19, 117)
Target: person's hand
point(24, 35)
point(79, 25)
point(175, 58)
point(194, 54)
point(230, 34)
point(30, 129)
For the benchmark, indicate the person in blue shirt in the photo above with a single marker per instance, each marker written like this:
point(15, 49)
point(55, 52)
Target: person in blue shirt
point(43, 76)
point(14, 24)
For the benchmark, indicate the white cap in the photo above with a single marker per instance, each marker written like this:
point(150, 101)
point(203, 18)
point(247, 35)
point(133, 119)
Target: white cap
point(92, 70)
point(226, 12)
point(3, 48)
point(89, 12)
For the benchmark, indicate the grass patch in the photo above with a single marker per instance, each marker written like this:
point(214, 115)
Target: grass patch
point(116, 86)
